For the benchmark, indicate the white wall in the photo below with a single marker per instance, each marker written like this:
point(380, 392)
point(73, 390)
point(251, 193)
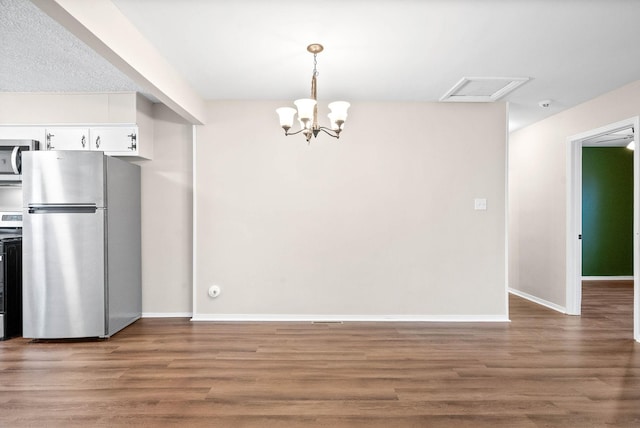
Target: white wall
point(58, 108)
point(378, 224)
point(167, 198)
point(537, 191)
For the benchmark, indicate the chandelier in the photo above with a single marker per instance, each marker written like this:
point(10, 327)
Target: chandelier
point(307, 109)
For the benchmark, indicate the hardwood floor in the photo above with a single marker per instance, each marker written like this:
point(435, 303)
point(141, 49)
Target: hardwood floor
point(543, 369)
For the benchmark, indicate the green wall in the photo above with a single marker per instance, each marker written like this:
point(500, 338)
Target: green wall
point(607, 211)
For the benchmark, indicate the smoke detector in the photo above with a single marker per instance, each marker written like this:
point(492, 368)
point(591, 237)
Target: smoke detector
point(544, 103)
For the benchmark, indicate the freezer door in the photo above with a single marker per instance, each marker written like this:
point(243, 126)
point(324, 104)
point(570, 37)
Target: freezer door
point(63, 177)
point(63, 273)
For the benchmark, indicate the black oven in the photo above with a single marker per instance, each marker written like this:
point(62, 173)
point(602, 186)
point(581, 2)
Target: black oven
point(10, 275)
point(10, 286)
point(11, 158)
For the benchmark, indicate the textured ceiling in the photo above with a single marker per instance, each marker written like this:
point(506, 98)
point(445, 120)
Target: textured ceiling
point(375, 50)
point(38, 55)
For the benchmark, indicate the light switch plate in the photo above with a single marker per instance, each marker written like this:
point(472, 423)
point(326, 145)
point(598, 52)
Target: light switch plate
point(480, 204)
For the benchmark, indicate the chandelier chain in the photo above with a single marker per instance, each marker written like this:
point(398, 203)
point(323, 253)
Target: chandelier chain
point(315, 65)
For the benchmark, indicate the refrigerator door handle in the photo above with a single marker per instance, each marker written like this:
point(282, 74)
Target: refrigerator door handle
point(61, 208)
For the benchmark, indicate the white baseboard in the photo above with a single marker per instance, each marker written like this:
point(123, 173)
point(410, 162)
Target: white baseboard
point(167, 315)
point(608, 278)
point(538, 300)
point(347, 318)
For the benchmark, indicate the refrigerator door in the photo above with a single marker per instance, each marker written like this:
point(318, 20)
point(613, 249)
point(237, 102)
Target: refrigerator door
point(64, 272)
point(63, 177)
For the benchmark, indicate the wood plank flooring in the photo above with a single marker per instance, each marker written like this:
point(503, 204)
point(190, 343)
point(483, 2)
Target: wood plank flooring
point(543, 369)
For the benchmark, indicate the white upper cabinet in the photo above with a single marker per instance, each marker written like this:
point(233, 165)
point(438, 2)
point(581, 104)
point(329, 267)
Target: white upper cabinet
point(115, 140)
point(66, 138)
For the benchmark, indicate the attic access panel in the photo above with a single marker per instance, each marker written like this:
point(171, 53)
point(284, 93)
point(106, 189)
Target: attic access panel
point(482, 89)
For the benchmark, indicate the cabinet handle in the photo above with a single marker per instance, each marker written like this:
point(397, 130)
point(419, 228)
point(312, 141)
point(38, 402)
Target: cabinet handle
point(133, 145)
point(83, 141)
point(15, 159)
point(98, 142)
point(49, 146)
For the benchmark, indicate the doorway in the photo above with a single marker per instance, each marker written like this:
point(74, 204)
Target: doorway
point(616, 134)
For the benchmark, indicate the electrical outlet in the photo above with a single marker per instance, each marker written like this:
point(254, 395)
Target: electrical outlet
point(214, 291)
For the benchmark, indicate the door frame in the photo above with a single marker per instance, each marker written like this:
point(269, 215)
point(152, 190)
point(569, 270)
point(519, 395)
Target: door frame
point(574, 217)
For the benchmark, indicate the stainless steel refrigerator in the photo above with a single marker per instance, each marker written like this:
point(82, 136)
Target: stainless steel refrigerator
point(81, 244)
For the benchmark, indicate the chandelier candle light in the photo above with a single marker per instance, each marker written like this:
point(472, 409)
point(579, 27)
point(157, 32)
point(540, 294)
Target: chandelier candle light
point(308, 109)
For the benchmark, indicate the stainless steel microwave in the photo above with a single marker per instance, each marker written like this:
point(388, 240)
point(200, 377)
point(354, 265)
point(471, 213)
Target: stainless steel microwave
point(11, 158)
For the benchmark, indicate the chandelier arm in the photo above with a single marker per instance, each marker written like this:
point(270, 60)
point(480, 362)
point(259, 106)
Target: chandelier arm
point(329, 132)
point(293, 133)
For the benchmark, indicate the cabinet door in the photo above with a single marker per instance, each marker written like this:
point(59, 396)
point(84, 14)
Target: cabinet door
point(117, 140)
point(23, 133)
point(66, 139)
